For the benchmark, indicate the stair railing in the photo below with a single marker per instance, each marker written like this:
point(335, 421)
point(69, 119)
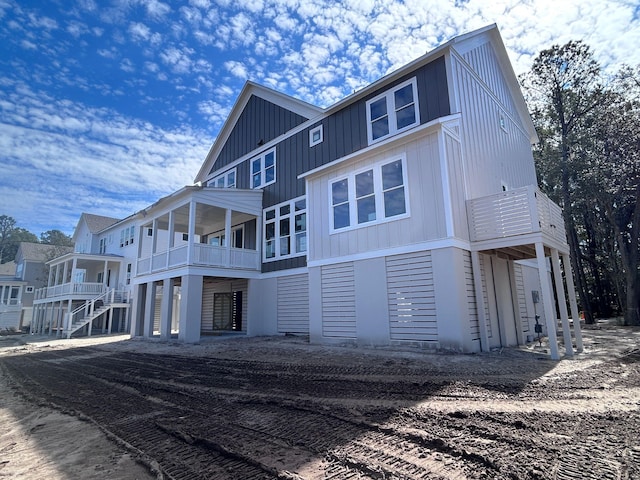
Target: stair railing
point(89, 308)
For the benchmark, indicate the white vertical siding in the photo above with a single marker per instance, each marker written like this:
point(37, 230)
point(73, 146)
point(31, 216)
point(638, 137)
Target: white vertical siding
point(492, 155)
point(293, 304)
point(484, 271)
point(338, 300)
point(458, 199)
point(425, 201)
point(472, 303)
point(412, 306)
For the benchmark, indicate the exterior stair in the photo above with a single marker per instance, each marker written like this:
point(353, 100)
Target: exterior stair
point(86, 313)
point(78, 324)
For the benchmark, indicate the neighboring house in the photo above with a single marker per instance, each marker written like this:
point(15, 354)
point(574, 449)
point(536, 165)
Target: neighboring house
point(11, 291)
point(89, 286)
point(406, 212)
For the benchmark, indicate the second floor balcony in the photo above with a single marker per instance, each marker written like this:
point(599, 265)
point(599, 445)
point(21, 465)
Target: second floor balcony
point(202, 227)
point(500, 218)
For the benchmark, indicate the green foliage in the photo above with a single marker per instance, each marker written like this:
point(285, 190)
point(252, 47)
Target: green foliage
point(11, 236)
point(56, 237)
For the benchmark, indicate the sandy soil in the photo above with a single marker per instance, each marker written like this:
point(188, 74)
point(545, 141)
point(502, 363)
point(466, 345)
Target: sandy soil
point(108, 407)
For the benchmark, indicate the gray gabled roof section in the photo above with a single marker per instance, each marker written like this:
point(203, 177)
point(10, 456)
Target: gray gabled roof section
point(97, 223)
point(283, 100)
point(41, 252)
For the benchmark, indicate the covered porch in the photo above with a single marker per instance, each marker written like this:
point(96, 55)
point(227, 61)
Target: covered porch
point(201, 227)
point(525, 224)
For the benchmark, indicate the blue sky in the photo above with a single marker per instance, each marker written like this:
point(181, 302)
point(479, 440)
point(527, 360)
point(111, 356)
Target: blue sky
point(105, 106)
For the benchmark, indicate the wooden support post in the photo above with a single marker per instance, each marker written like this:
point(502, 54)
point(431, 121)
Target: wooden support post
point(547, 301)
point(562, 303)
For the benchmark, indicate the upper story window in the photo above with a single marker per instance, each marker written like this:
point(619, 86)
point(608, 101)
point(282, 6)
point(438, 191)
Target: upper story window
point(226, 180)
point(126, 236)
point(263, 169)
point(285, 230)
point(374, 195)
point(393, 111)
point(103, 245)
point(316, 136)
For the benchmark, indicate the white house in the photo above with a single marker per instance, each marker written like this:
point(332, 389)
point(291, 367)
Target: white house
point(406, 212)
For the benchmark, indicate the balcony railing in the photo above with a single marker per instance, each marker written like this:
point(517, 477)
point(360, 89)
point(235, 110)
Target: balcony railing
point(86, 289)
point(202, 255)
point(515, 212)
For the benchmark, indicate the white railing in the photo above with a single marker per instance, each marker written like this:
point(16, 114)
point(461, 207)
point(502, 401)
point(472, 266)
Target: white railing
point(515, 212)
point(202, 255)
point(71, 289)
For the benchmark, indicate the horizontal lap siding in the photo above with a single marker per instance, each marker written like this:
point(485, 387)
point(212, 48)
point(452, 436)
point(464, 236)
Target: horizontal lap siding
point(472, 304)
point(484, 259)
point(293, 304)
point(213, 285)
point(522, 299)
point(412, 307)
point(338, 301)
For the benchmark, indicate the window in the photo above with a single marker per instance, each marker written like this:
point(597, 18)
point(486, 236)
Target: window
point(315, 136)
point(126, 236)
point(149, 232)
point(128, 273)
point(393, 112)
point(219, 240)
point(285, 230)
point(185, 237)
point(371, 196)
point(29, 289)
point(226, 180)
point(103, 245)
point(263, 169)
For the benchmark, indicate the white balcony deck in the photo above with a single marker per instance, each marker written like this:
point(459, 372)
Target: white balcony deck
point(84, 289)
point(515, 213)
point(202, 255)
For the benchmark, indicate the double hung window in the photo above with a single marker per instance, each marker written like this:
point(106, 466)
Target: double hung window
point(285, 230)
point(393, 111)
point(263, 169)
point(374, 195)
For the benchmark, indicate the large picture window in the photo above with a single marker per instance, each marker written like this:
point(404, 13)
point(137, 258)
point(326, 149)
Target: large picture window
point(263, 169)
point(285, 230)
point(374, 195)
point(393, 111)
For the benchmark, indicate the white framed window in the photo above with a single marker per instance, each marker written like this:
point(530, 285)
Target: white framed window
point(373, 195)
point(316, 136)
point(103, 245)
point(226, 180)
point(285, 230)
point(263, 169)
point(127, 236)
point(29, 289)
point(128, 274)
point(393, 112)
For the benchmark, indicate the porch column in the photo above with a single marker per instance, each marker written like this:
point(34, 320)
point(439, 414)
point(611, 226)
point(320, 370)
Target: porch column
point(166, 309)
point(562, 302)
point(141, 237)
point(477, 286)
point(149, 309)
point(69, 320)
point(74, 266)
point(105, 280)
point(227, 236)
point(191, 309)
point(137, 310)
point(191, 233)
point(547, 301)
point(171, 239)
point(575, 314)
point(154, 237)
point(53, 310)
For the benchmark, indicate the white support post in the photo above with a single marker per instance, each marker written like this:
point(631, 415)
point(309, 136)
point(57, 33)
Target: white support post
point(562, 302)
point(73, 272)
point(259, 241)
point(171, 239)
point(69, 319)
point(192, 232)
point(575, 314)
point(154, 236)
point(110, 322)
point(149, 310)
point(227, 236)
point(547, 301)
point(166, 309)
point(477, 286)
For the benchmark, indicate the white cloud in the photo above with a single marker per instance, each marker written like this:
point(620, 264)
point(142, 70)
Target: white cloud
point(237, 69)
point(179, 59)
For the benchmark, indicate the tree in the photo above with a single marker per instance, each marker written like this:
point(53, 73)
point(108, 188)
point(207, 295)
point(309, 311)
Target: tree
point(613, 157)
point(56, 237)
point(563, 87)
point(10, 238)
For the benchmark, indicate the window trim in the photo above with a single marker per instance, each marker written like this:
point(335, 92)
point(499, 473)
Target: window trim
point(391, 111)
point(262, 171)
point(292, 229)
point(313, 143)
point(378, 193)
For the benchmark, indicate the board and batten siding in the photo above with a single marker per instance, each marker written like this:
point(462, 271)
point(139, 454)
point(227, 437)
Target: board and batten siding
point(453, 153)
point(293, 304)
point(425, 203)
point(338, 300)
point(494, 156)
point(410, 290)
point(259, 122)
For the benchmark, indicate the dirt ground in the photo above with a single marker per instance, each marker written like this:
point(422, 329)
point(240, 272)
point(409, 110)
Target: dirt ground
point(245, 408)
